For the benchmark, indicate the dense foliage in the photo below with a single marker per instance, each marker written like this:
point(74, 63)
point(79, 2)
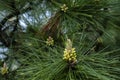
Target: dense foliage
point(60, 39)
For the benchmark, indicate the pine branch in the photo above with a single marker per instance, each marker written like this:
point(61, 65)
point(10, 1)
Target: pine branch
point(4, 37)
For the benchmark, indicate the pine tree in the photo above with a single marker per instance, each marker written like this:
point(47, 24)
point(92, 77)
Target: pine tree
point(60, 39)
